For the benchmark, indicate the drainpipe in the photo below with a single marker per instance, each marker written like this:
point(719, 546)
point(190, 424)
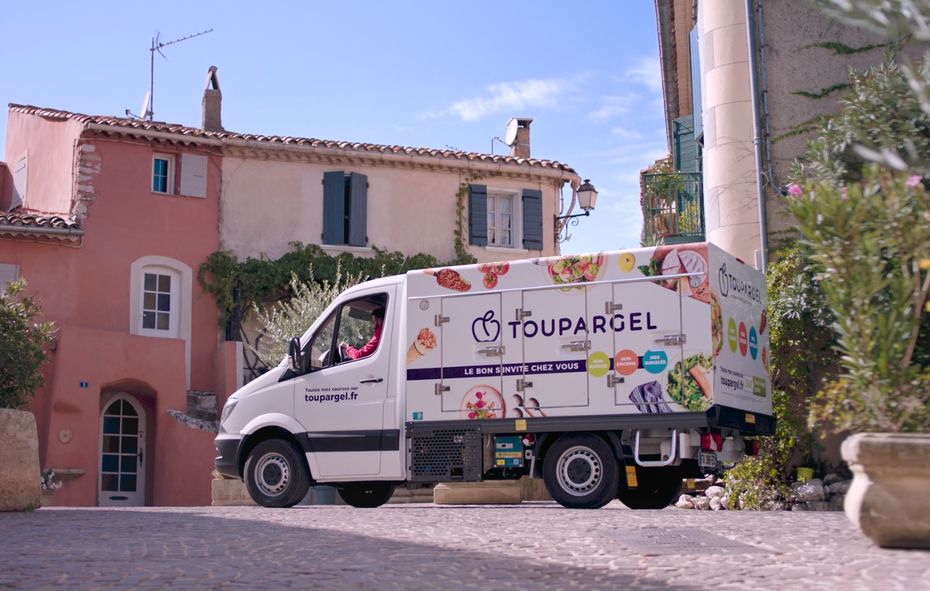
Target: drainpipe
point(757, 130)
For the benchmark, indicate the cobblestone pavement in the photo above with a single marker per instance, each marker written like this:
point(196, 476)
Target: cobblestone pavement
point(530, 546)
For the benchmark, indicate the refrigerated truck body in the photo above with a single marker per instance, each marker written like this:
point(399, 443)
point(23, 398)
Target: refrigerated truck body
point(610, 375)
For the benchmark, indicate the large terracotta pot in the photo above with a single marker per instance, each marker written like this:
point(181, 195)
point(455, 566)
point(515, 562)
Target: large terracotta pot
point(890, 494)
point(20, 479)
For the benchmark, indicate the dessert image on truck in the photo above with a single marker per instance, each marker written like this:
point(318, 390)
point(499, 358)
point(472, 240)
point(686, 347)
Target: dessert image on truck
point(616, 392)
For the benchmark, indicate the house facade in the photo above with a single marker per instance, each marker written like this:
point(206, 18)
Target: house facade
point(742, 89)
point(107, 225)
point(108, 219)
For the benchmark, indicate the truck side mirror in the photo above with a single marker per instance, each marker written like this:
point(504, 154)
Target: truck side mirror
point(293, 353)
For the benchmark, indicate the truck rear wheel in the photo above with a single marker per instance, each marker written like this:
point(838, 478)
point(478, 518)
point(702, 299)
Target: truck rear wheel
point(366, 495)
point(657, 488)
point(580, 472)
point(276, 474)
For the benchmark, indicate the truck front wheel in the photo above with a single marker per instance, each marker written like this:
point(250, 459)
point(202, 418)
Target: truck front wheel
point(276, 474)
point(366, 495)
point(580, 472)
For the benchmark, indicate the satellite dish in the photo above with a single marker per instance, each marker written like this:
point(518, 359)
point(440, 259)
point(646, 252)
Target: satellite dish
point(510, 137)
point(146, 110)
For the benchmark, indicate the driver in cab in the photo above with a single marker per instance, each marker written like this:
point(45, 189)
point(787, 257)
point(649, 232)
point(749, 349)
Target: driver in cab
point(350, 352)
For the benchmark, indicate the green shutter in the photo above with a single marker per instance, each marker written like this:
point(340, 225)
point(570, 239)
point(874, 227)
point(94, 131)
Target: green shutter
point(685, 149)
point(358, 209)
point(478, 215)
point(334, 196)
point(532, 219)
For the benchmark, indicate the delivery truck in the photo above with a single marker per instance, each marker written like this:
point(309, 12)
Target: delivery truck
point(612, 375)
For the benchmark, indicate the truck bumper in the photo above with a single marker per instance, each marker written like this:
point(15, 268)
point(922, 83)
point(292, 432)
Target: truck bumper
point(227, 456)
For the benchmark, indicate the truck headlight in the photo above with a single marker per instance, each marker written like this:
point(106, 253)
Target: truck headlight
point(227, 410)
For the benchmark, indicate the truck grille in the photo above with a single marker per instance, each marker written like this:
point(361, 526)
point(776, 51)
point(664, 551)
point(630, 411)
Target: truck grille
point(443, 455)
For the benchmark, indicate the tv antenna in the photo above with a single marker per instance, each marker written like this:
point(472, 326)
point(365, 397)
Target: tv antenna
point(147, 110)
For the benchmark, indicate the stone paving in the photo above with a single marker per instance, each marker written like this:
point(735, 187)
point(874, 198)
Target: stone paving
point(528, 546)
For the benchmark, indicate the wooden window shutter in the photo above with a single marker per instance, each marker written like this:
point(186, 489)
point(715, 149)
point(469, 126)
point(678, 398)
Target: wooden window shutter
point(334, 207)
point(478, 215)
point(358, 209)
point(532, 219)
point(193, 175)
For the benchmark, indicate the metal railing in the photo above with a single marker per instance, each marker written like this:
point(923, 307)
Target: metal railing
point(673, 208)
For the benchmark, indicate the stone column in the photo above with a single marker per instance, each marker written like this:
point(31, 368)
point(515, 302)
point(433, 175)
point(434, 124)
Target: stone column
point(730, 196)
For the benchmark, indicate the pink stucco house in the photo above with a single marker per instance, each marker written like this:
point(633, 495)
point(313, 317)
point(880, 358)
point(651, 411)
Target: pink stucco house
point(108, 221)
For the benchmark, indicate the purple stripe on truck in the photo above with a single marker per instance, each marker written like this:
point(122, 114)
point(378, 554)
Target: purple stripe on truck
point(475, 371)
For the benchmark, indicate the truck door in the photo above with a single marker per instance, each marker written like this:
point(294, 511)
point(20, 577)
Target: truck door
point(554, 324)
point(472, 348)
point(648, 346)
point(340, 401)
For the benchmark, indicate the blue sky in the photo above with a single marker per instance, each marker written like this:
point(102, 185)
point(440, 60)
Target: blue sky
point(429, 74)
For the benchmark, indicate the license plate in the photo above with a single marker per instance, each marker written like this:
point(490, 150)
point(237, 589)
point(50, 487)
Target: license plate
point(707, 460)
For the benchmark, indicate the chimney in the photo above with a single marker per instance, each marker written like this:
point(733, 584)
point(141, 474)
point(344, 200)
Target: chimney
point(212, 103)
point(520, 148)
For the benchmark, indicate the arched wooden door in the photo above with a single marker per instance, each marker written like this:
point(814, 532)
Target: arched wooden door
point(121, 478)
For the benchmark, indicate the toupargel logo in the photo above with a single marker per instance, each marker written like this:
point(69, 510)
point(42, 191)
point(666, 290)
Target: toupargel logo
point(486, 328)
point(741, 288)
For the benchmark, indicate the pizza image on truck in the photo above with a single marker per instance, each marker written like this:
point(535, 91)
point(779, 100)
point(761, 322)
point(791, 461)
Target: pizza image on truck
point(610, 376)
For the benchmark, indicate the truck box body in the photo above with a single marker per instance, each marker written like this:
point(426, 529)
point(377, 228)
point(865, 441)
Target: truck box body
point(658, 330)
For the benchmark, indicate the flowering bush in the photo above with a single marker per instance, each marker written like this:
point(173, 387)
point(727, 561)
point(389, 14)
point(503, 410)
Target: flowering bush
point(870, 241)
point(50, 482)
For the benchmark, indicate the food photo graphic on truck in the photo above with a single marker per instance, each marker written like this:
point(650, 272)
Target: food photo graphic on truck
point(610, 376)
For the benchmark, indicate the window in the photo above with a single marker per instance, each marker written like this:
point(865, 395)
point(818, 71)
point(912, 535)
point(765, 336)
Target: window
point(156, 301)
point(163, 174)
point(352, 323)
point(345, 208)
point(159, 303)
point(500, 219)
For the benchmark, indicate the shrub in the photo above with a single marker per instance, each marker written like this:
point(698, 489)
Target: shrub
point(24, 340)
point(870, 241)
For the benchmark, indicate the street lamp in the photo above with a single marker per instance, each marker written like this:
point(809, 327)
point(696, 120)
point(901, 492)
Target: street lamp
point(587, 197)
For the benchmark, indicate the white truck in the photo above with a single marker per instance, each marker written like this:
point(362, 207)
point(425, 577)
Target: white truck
point(611, 375)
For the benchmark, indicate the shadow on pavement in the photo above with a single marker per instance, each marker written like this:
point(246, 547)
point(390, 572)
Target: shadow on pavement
point(154, 549)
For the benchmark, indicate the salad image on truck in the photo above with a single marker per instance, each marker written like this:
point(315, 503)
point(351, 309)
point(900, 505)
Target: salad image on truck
point(610, 376)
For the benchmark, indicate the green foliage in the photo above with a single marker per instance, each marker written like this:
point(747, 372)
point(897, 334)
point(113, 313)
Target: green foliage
point(842, 49)
point(23, 340)
point(263, 281)
point(880, 116)
point(462, 256)
point(801, 348)
point(285, 319)
point(869, 241)
point(756, 480)
point(823, 92)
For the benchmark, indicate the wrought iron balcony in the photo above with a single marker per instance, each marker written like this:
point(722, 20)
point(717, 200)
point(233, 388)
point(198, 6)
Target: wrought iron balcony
point(673, 208)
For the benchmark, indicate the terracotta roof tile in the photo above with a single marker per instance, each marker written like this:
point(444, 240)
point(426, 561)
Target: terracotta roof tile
point(127, 125)
point(37, 220)
point(19, 223)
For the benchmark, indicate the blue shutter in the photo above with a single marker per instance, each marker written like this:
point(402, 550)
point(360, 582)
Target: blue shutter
point(358, 209)
point(478, 215)
point(334, 207)
point(532, 219)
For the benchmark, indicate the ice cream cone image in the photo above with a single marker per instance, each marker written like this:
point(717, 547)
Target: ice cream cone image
point(423, 344)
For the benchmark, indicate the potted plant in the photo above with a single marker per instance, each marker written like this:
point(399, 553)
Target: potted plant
point(870, 241)
point(24, 340)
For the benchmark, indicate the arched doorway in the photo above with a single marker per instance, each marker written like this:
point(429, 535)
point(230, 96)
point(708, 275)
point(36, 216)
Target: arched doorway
point(121, 478)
